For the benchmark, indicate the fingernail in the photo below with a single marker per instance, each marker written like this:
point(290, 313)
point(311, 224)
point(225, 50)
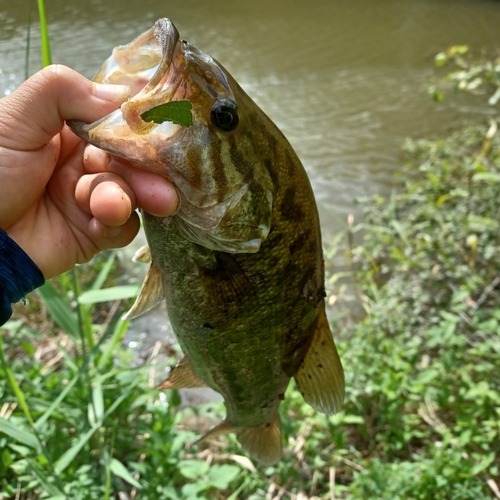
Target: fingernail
point(126, 199)
point(111, 231)
point(108, 92)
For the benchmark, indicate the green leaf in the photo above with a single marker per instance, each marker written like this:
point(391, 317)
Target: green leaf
point(103, 273)
point(98, 400)
point(486, 176)
point(59, 310)
point(178, 112)
point(109, 294)
point(67, 457)
point(118, 469)
point(48, 486)
point(15, 386)
point(191, 469)
point(43, 419)
point(480, 223)
point(18, 433)
point(222, 475)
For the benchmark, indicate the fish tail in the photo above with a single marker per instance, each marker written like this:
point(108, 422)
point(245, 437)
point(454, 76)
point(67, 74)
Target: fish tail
point(263, 442)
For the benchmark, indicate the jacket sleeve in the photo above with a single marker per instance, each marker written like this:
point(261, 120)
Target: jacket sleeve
point(19, 275)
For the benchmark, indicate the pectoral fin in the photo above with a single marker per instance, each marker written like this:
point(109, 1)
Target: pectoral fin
point(320, 377)
point(227, 281)
point(182, 377)
point(152, 292)
point(142, 255)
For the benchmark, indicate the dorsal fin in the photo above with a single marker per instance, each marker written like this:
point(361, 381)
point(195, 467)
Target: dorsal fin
point(152, 292)
point(142, 255)
point(320, 377)
point(182, 377)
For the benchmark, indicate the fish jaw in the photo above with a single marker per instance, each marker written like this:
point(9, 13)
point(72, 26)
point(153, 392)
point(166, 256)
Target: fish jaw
point(150, 66)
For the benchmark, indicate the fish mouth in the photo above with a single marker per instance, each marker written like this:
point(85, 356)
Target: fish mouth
point(152, 66)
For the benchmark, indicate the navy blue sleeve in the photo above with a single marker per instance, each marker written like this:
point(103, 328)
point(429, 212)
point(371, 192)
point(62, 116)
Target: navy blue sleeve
point(19, 275)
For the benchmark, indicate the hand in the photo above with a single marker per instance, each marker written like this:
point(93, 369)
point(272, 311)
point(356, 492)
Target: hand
point(61, 199)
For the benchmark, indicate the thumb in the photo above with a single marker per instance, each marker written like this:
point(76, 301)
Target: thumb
point(35, 112)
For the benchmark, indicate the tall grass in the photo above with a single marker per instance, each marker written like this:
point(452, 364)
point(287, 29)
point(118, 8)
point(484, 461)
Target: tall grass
point(44, 34)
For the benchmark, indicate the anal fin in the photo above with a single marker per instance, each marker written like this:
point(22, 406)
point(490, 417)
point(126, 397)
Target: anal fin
point(262, 442)
point(152, 292)
point(182, 377)
point(320, 377)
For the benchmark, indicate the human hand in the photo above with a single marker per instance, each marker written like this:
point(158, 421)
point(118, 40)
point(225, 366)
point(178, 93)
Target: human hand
point(61, 199)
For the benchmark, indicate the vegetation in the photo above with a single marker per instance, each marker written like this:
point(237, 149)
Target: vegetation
point(80, 420)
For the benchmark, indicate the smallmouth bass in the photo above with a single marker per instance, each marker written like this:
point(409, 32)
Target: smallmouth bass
point(240, 264)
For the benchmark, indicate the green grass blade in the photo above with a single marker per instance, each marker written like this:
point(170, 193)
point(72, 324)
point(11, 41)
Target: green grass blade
point(103, 273)
point(15, 387)
point(118, 333)
point(59, 310)
point(44, 481)
point(19, 434)
point(46, 56)
point(109, 294)
point(98, 400)
point(43, 419)
point(67, 457)
point(118, 469)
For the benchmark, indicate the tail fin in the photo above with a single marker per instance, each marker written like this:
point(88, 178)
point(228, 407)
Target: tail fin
point(262, 442)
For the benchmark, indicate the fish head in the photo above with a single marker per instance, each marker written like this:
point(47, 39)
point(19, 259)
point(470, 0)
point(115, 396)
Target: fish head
point(216, 164)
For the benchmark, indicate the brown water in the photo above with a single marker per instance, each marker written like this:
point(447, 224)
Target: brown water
point(344, 79)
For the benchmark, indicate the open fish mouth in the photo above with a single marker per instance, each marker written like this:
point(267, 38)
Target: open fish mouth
point(152, 66)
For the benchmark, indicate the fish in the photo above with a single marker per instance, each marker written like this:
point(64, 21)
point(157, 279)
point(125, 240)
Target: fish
point(240, 264)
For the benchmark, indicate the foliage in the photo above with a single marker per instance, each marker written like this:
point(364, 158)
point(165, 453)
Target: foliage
point(469, 75)
point(426, 376)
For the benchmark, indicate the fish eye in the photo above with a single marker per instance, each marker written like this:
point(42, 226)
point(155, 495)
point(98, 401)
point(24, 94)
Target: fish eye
point(224, 115)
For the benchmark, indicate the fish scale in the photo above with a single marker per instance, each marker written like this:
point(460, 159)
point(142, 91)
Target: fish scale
point(240, 265)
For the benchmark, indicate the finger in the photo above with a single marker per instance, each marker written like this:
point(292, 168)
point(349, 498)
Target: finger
point(115, 237)
point(105, 196)
point(42, 103)
point(153, 193)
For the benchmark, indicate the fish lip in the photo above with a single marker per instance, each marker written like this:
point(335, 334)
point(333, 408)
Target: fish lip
point(168, 37)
